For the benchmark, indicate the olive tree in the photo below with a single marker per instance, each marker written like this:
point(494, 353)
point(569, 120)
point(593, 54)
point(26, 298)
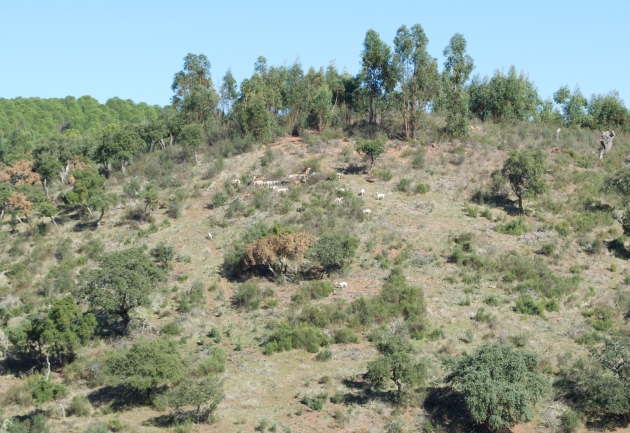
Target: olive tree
point(204, 395)
point(125, 280)
point(395, 363)
point(147, 366)
point(371, 148)
point(498, 384)
point(524, 171)
point(332, 250)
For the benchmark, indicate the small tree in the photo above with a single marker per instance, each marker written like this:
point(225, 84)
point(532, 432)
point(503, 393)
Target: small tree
point(163, 253)
point(125, 280)
point(332, 250)
point(457, 69)
point(204, 395)
point(148, 366)
point(498, 384)
point(57, 331)
point(524, 170)
point(48, 210)
point(102, 203)
point(192, 136)
point(372, 148)
point(395, 363)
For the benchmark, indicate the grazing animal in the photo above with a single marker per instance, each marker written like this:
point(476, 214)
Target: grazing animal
point(362, 192)
point(258, 183)
point(339, 175)
point(367, 211)
point(380, 196)
point(282, 190)
point(606, 141)
point(236, 182)
point(338, 200)
point(341, 285)
point(209, 236)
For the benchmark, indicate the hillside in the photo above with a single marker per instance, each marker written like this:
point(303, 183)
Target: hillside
point(553, 281)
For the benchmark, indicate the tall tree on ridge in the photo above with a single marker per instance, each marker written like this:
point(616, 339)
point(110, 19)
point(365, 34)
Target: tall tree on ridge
point(458, 66)
point(377, 75)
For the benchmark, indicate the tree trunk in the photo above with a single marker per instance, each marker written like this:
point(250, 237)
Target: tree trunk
point(56, 226)
point(126, 320)
point(98, 221)
point(371, 163)
point(520, 203)
point(63, 411)
point(47, 368)
point(46, 189)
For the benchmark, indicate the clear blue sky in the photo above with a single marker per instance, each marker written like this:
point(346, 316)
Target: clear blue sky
point(132, 49)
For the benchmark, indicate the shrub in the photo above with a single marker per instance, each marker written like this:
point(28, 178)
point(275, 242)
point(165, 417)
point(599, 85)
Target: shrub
point(313, 290)
point(570, 421)
point(527, 305)
point(422, 188)
point(44, 390)
point(492, 300)
point(195, 297)
point(300, 337)
point(79, 406)
point(418, 159)
point(323, 355)
point(384, 175)
point(345, 335)
point(332, 250)
point(218, 200)
point(482, 316)
point(247, 296)
point(436, 334)
point(515, 227)
point(315, 403)
point(172, 328)
point(404, 185)
point(214, 364)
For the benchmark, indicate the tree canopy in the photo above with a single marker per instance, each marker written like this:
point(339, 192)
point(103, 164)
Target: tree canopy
point(125, 280)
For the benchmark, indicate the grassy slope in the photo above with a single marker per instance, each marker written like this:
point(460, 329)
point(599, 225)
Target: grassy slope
point(260, 387)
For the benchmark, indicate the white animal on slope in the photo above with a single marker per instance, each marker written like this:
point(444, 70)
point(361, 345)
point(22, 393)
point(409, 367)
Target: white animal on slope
point(367, 211)
point(362, 192)
point(236, 182)
point(339, 175)
point(338, 200)
point(258, 183)
point(380, 196)
point(341, 285)
point(209, 236)
point(341, 189)
point(282, 190)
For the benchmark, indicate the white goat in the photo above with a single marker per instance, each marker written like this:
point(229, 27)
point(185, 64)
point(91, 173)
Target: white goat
point(209, 236)
point(380, 196)
point(341, 189)
point(362, 192)
point(281, 190)
point(341, 285)
point(338, 200)
point(339, 175)
point(367, 211)
point(236, 182)
point(258, 183)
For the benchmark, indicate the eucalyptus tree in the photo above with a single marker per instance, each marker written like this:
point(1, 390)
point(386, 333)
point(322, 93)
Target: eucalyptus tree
point(458, 66)
point(573, 106)
point(507, 97)
point(416, 73)
point(377, 74)
point(194, 95)
point(608, 112)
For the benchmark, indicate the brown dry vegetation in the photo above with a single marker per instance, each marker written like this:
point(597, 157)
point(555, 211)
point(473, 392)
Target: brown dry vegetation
point(260, 387)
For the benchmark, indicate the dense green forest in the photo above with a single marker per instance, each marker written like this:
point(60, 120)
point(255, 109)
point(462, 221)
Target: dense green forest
point(411, 248)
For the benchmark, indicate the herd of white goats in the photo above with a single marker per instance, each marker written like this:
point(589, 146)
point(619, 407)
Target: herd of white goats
point(297, 179)
point(301, 178)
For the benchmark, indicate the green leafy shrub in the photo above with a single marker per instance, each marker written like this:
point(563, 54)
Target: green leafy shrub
point(421, 188)
point(323, 355)
point(527, 305)
point(214, 364)
point(79, 406)
point(247, 296)
point(286, 338)
point(492, 301)
point(315, 403)
point(404, 185)
point(515, 227)
point(482, 316)
point(172, 328)
point(345, 335)
point(312, 290)
point(44, 390)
